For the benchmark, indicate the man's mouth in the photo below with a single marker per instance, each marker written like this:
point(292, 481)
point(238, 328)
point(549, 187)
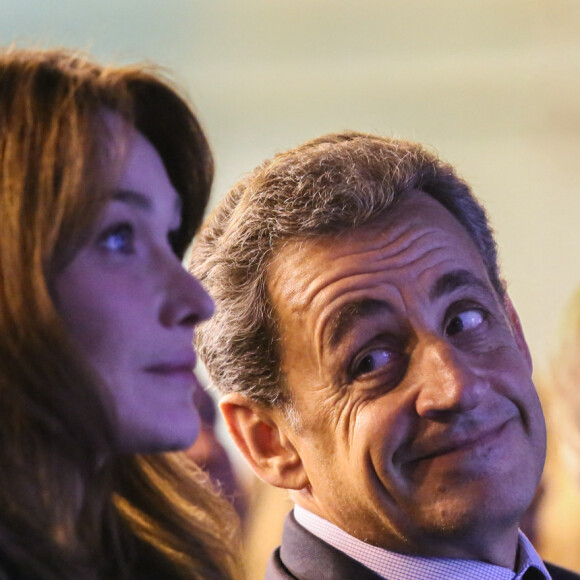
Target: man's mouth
point(467, 441)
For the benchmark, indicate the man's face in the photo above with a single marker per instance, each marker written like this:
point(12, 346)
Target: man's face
point(419, 428)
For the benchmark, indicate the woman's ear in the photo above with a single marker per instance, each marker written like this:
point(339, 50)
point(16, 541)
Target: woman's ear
point(261, 434)
point(517, 330)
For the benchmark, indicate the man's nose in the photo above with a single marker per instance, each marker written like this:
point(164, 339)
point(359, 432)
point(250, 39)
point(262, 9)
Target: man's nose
point(449, 381)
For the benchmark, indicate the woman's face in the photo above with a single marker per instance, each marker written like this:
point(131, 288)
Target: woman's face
point(131, 307)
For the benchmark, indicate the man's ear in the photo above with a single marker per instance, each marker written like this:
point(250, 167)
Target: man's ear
point(518, 330)
point(261, 435)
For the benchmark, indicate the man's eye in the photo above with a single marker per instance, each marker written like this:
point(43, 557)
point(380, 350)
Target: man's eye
point(119, 238)
point(371, 361)
point(467, 320)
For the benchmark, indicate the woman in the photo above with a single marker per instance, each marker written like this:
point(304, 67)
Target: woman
point(104, 177)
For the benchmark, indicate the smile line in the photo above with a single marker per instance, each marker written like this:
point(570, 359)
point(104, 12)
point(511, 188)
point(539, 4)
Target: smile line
point(465, 444)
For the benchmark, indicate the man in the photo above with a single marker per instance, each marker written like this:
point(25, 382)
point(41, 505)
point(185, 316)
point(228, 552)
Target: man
point(372, 364)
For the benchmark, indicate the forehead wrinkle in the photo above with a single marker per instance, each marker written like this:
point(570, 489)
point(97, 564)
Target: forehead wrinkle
point(299, 249)
point(381, 264)
point(408, 236)
point(380, 259)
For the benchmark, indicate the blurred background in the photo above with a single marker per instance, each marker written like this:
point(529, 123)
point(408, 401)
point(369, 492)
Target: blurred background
point(492, 85)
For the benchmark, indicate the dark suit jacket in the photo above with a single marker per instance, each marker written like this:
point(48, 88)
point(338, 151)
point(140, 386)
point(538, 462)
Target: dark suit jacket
point(303, 556)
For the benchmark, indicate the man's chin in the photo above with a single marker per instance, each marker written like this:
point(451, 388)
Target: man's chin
point(454, 521)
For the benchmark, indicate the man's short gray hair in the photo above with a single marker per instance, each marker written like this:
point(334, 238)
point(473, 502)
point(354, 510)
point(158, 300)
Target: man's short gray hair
point(326, 186)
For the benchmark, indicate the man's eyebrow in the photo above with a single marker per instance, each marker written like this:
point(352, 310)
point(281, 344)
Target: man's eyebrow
point(454, 280)
point(346, 316)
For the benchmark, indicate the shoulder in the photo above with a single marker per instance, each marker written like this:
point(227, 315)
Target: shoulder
point(303, 555)
point(558, 573)
point(276, 569)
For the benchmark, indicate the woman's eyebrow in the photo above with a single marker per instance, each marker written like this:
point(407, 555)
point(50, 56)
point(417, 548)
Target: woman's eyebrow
point(133, 198)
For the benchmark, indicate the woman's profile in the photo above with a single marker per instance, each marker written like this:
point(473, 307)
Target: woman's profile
point(104, 177)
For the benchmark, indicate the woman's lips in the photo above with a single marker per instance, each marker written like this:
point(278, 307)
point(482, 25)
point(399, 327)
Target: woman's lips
point(181, 370)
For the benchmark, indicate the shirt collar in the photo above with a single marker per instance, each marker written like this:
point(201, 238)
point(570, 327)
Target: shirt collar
point(402, 567)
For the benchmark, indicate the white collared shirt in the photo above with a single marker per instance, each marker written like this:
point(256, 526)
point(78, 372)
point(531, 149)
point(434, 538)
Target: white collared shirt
point(396, 566)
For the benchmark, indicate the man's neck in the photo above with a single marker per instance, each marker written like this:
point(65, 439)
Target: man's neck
point(498, 546)
point(396, 565)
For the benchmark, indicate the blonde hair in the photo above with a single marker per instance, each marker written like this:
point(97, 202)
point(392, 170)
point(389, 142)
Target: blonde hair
point(64, 511)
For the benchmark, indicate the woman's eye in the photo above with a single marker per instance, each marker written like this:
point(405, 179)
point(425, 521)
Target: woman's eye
point(372, 361)
point(467, 320)
point(119, 239)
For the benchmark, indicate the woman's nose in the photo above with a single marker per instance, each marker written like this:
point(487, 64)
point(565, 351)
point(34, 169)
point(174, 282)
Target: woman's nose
point(187, 302)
